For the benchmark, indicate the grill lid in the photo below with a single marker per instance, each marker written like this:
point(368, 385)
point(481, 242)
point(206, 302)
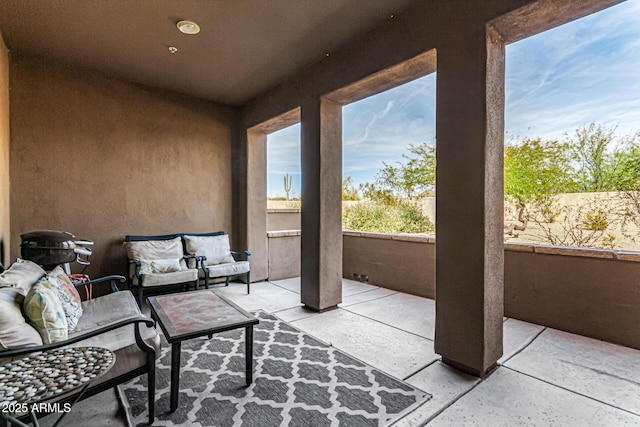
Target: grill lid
point(49, 239)
point(50, 248)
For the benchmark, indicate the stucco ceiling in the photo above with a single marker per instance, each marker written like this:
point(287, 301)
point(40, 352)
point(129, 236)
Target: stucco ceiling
point(244, 48)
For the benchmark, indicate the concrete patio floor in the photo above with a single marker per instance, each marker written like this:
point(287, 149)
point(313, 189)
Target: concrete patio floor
point(545, 377)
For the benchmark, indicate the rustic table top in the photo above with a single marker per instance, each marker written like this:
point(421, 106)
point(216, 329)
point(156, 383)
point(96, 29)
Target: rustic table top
point(187, 315)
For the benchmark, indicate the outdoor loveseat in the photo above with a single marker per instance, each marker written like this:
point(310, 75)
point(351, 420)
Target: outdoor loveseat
point(112, 321)
point(183, 259)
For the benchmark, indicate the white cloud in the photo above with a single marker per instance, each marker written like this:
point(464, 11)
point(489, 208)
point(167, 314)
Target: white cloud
point(367, 130)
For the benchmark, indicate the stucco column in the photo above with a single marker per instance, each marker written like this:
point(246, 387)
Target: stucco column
point(256, 219)
point(321, 240)
point(469, 206)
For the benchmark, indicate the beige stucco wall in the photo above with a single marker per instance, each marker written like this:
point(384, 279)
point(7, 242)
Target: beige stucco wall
point(588, 292)
point(103, 158)
point(4, 154)
point(283, 219)
point(402, 263)
point(591, 292)
point(284, 254)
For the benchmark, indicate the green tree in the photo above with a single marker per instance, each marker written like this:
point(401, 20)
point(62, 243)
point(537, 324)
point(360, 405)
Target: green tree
point(414, 178)
point(349, 192)
point(627, 174)
point(535, 169)
point(534, 172)
point(595, 153)
point(627, 182)
point(391, 207)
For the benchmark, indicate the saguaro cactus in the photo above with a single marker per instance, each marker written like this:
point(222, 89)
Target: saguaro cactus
point(287, 184)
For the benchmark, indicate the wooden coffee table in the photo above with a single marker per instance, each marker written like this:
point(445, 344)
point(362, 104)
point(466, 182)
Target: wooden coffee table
point(188, 315)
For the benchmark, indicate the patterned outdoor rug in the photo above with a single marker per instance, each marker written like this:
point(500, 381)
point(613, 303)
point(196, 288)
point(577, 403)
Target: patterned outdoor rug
point(298, 381)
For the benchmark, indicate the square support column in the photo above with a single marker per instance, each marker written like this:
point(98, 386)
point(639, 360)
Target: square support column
point(321, 240)
point(256, 208)
point(470, 204)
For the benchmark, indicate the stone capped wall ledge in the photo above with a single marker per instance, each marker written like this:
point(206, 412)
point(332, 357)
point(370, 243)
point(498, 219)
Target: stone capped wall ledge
point(283, 210)
point(628, 256)
point(519, 247)
point(420, 238)
point(382, 236)
point(574, 251)
point(513, 246)
point(283, 233)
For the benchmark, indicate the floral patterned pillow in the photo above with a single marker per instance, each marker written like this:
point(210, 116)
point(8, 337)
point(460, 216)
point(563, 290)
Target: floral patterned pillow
point(159, 266)
point(44, 311)
point(68, 294)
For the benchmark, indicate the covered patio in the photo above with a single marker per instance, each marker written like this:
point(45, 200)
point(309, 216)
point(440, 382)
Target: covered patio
point(545, 376)
point(109, 128)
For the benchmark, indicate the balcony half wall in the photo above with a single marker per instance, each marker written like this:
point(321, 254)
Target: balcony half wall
point(591, 292)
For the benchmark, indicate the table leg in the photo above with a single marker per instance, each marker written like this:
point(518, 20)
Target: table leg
point(248, 334)
point(176, 349)
point(5, 419)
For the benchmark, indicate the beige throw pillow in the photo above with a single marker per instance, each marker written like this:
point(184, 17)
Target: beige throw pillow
point(215, 248)
point(154, 249)
point(22, 275)
point(14, 330)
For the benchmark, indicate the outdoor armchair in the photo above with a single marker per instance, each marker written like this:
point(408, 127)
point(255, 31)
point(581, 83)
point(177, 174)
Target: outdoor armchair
point(159, 261)
point(216, 260)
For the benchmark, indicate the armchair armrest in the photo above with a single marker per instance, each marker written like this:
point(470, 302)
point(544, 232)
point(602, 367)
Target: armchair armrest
point(137, 320)
point(137, 269)
point(247, 254)
point(196, 258)
point(200, 263)
point(112, 279)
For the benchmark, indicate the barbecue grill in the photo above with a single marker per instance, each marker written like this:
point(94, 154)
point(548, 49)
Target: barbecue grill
point(50, 248)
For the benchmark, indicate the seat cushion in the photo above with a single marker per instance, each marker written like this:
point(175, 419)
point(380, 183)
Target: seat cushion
point(182, 276)
point(215, 248)
point(15, 332)
point(110, 309)
point(22, 275)
point(107, 310)
point(228, 269)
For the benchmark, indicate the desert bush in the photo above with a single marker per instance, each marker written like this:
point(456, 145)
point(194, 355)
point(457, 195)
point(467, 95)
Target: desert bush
point(596, 220)
point(399, 217)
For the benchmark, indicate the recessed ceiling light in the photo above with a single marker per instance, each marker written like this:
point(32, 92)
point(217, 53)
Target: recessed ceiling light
point(188, 27)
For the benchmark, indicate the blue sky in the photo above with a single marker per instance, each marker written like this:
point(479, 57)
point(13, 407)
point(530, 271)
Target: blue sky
point(582, 72)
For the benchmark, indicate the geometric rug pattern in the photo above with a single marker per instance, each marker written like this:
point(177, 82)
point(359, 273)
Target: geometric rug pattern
point(298, 381)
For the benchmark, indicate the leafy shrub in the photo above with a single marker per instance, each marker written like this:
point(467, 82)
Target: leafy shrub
point(596, 221)
point(399, 217)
